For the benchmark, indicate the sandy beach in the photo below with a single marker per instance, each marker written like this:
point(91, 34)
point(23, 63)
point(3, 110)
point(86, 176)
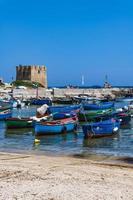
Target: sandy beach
point(63, 178)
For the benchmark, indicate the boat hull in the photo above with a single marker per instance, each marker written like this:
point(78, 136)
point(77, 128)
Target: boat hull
point(102, 129)
point(41, 102)
point(102, 106)
point(64, 109)
point(125, 119)
point(12, 123)
point(4, 115)
point(92, 115)
point(56, 127)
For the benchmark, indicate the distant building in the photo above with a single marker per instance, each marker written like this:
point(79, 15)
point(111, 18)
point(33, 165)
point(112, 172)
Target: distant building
point(32, 73)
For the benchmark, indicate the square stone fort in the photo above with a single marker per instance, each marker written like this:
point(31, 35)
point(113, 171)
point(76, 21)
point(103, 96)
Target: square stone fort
point(33, 73)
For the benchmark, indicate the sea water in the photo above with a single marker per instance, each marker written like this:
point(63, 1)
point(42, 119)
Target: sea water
point(23, 140)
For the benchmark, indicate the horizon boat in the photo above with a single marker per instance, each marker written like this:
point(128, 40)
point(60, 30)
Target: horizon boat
point(19, 123)
point(56, 126)
point(101, 129)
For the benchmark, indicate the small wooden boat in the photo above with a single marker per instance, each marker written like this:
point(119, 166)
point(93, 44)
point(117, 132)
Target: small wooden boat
point(56, 126)
point(101, 106)
point(93, 114)
point(101, 129)
point(5, 114)
point(19, 123)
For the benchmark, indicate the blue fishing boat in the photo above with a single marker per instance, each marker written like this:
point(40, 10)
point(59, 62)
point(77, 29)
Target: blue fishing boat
point(5, 114)
point(124, 117)
point(56, 126)
point(57, 116)
point(64, 109)
point(41, 102)
point(101, 129)
point(101, 106)
point(5, 107)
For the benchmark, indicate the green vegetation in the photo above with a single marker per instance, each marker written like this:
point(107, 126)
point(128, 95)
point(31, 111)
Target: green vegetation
point(29, 84)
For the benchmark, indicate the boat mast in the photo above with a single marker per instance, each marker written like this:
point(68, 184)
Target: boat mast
point(82, 80)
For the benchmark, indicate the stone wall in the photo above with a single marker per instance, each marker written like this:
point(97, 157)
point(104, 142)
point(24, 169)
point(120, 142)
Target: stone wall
point(29, 93)
point(42, 92)
point(98, 93)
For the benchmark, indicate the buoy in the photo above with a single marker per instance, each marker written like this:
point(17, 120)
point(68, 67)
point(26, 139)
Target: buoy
point(36, 141)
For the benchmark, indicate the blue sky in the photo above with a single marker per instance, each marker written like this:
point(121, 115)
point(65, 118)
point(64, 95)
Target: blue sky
point(71, 37)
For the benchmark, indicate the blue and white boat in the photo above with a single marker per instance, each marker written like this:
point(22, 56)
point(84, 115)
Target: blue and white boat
point(64, 109)
point(100, 106)
point(56, 126)
point(101, 129)
point(5, 114)
point(58, 116)
point(41, 102)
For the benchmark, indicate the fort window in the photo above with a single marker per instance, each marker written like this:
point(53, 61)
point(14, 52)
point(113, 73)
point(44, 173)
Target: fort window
point(23, 73)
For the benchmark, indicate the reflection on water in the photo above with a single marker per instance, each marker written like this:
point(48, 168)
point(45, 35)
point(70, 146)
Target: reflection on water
point(71, 143)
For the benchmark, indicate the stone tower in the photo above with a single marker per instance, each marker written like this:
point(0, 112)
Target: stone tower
point(33, 73)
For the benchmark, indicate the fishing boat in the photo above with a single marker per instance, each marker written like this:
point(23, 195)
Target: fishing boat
point(5, 107)
point(63, 100)
point(41, 102)
point(101, 106)
point(92, 114)
point(5, 114)
point(84, 97)
point(101, 129)
point(124, 117)
point(19, 123)
point(56, 126)
point(64, 109)
point(57, 116)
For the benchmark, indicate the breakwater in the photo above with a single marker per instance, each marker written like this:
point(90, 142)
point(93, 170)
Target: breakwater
point(112, 93)
point(57, 92)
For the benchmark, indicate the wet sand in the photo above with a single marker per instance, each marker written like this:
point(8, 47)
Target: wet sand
point(35, 177)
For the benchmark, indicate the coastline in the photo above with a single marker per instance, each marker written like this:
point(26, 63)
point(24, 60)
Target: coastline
point(30, 176)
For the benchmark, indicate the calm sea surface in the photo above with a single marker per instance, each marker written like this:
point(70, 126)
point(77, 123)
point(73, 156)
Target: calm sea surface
point(66, 144)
